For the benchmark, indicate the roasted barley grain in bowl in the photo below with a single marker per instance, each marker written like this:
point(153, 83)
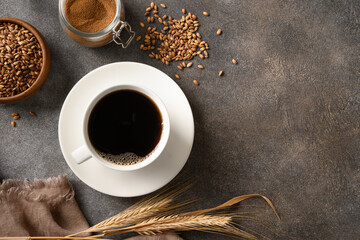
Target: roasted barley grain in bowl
point(24, 60)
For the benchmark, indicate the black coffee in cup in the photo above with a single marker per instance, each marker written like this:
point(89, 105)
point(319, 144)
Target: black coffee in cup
point(125, 126)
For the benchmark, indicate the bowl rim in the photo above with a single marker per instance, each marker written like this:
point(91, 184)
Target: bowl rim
point(45, 66)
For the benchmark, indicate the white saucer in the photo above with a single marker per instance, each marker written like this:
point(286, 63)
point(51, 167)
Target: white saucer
point(165, 167)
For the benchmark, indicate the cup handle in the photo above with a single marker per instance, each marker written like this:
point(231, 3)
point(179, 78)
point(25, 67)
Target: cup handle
point(81, 154)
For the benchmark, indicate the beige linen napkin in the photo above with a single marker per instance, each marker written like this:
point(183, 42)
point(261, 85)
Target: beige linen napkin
point(41, 208)
point(45, 208)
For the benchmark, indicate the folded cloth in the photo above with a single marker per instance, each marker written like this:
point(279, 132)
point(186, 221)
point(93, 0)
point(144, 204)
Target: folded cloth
point(41, 208)
point(45, 208)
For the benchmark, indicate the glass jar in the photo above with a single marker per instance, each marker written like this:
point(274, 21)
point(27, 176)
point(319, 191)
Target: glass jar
point(97, 39)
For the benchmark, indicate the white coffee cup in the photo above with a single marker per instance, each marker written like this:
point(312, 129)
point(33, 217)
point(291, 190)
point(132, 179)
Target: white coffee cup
point(87, 151)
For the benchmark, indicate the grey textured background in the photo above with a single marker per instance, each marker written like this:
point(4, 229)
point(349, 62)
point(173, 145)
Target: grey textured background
point(284, 122)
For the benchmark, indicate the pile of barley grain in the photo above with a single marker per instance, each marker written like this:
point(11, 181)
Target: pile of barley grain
point(179, 40)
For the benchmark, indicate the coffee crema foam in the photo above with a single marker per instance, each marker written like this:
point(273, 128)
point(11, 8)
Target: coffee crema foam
point(124, 159)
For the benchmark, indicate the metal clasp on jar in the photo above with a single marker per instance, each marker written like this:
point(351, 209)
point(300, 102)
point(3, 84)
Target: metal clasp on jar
point(117, 34)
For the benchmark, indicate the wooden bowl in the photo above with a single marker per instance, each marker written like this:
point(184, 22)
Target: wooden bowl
point(45, 66)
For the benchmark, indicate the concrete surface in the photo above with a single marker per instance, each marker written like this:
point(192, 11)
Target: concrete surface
point(284, 122)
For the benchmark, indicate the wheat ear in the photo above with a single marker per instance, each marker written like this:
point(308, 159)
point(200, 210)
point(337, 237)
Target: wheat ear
point(132, 215)
point(158, 204)
point(205, 223)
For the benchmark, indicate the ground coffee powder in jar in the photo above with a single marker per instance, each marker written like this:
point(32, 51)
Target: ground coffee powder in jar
point(90, 15)
point(95, 23)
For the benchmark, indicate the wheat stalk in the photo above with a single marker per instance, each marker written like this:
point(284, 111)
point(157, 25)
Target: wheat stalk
point(196, 220)
point(185, 222)
point(158, 204)
point(132, 215)
point(173, 223)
